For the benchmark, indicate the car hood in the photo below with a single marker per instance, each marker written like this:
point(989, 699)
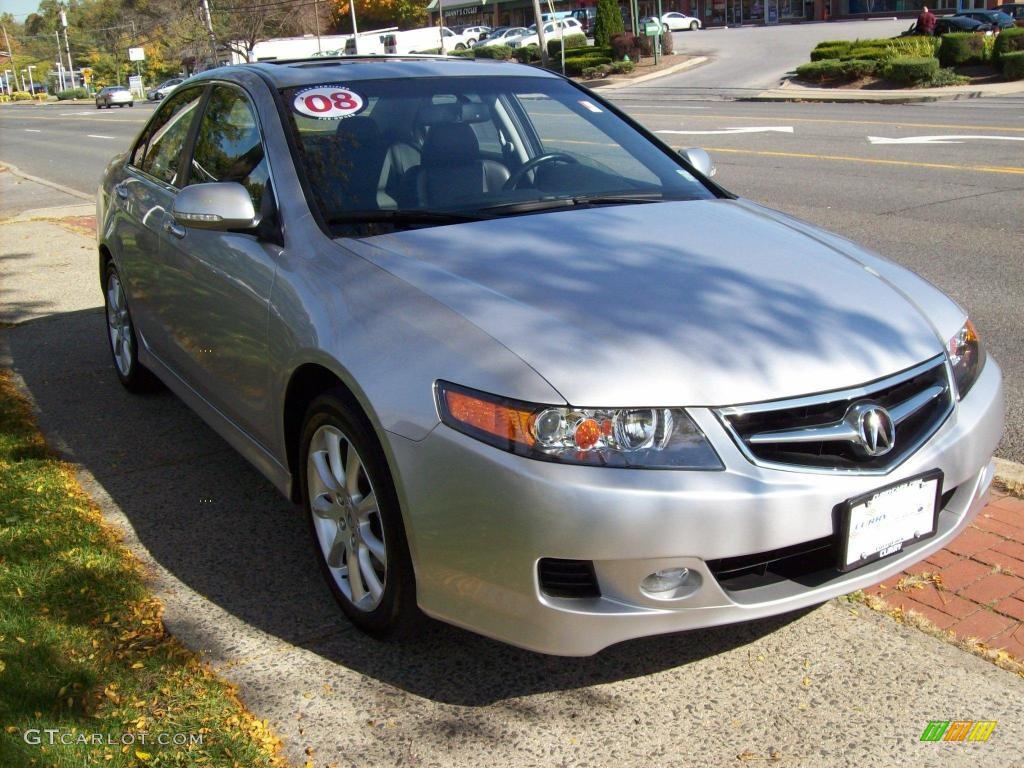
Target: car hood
point(712, 302)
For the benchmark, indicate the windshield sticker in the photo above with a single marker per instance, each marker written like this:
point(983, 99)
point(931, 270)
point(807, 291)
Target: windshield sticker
point(328, 102)
point(591, 106)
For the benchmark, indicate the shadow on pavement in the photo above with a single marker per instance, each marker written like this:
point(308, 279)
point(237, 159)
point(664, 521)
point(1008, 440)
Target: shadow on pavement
point(222, 529)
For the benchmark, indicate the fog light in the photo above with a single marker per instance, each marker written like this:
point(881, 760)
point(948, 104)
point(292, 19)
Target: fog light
point(667, 580)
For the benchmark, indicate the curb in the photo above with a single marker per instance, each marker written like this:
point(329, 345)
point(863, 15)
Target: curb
point(787, 92)
point(47, 183)
point(607, 86)
point(1010, 475)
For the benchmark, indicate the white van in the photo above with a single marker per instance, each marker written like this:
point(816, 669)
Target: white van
point(370, 43)
point(423, 39)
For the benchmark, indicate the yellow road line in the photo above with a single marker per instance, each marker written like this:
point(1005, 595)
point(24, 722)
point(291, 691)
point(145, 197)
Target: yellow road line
point(887, 123)
point(871, 160)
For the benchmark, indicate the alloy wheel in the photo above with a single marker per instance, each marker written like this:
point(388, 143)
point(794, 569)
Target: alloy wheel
point(346, 517)
point(119, 326)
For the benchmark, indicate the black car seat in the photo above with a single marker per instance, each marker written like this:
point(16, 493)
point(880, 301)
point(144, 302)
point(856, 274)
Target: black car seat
point(451, 168)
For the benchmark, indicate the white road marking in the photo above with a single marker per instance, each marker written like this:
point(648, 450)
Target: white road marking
point(32, 130)
point(940, 139)
point(97, 136)
point(745, 129)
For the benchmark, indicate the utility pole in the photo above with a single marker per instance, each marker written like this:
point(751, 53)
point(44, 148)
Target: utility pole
point(355, 29)
point(7, 45)
point(67, 47)
point(316, 14)
point(540, 34)
point(440, 23)
point(208, 21)
point(60, 61)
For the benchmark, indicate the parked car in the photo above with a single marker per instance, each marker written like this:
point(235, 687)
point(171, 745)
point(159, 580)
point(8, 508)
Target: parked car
point(947, 24)
point(587, 17)
point(114, 95)
point(996, 19)
point(472, 35)
point(525, 367)
point(503, 36)
point(161, 91)
point(553, 30)
point(1016, 10)
point(673, 21)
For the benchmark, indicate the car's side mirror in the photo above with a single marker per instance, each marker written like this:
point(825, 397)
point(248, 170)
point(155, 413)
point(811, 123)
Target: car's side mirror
point(700, 160)
point(216, 205)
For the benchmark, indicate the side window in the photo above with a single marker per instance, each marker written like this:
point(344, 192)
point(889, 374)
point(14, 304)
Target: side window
point(165, 138)
point(229, 146)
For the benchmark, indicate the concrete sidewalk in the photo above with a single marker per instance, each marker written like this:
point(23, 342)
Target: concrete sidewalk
point(232, 563)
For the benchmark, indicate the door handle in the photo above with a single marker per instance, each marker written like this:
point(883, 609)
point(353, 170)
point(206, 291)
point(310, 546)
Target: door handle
point(174, 228)
point(122, 191)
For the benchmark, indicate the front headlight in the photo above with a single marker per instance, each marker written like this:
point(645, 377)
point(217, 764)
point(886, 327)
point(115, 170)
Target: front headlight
point(966, 356)
point(643, 438)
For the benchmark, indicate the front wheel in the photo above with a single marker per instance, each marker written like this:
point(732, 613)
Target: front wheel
point(664, 28)
point(694, 26)
point(354, 515)
point(460, 47)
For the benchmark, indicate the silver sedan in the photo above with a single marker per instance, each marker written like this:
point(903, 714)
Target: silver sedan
point(527, 369)
point(114, 96)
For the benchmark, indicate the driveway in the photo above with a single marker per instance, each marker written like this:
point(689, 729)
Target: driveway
point(757, 58)
point(232, 563)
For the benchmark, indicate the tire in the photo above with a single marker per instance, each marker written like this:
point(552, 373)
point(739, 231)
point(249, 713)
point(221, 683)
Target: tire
point(460, 47)
point(121, 338)
point(131, 103)
point(98, 107)
point(665, 28)
point(694, 26)
point(345, 534)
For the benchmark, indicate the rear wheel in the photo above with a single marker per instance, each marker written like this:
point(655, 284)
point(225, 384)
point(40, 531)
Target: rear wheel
point(353, 510)
point(124, 345)
point(693, 26)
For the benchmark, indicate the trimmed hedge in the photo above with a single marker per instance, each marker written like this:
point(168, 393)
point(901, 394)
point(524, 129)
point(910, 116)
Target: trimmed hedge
point(593, 73)
point(493, 52)
point(21, 96)
point(959, 48)
point(822, 54)
point(1013, 65)
point(72, 93)
point(526, 55)
point(836, 70)
point(622, 67)
point(948, 76)
point(464, 53)
point(874, 53)
point(574, 67)
point(571, 41)
point(912, 70)
point(1008, 41)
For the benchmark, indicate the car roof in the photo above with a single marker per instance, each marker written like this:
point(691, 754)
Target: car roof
point(297, 72)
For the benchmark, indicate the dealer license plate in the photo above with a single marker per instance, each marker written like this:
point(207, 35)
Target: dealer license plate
point(883, 522)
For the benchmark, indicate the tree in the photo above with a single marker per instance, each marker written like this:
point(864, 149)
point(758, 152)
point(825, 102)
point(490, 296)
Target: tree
point(608, 22)
point(377, 14)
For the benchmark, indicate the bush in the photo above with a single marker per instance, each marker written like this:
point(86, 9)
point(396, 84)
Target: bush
point(622, 67)
point(625, 44)
point(429, 51)
point(914, 46)
point(493, 52)
point(958, 48)
point(44, 96)
point(1008, 41)
point(72, 93)
point(464, 53)
point(948, 76)
point(571, 41)
point(574, 67)
point(1013, 65)
point(836, 70)
point(21, 96)
point(608, 21)
point(593, 73)
point(912, 70)
point(526, 55)
point(832, 44)
point(647, 44)
point(873, 53)
point(821, 54)
point(667, 46)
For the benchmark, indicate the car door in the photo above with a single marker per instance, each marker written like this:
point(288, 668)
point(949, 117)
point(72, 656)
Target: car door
point(220, 322)
point(142, 197)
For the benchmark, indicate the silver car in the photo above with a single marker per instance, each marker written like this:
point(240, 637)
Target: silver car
point(529, 370)
point(114, 96)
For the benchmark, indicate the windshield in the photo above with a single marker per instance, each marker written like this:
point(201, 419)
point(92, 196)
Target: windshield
point(460, 148)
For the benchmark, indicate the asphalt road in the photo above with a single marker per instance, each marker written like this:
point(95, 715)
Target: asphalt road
point(951, 212)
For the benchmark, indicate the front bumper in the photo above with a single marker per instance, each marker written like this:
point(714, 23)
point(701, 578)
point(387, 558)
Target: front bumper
point(480, 519)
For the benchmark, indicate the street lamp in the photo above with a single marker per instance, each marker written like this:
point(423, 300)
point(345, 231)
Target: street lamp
point(31, 80)
point(7, 81)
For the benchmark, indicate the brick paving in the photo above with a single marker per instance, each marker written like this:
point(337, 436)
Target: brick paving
point(975, 586)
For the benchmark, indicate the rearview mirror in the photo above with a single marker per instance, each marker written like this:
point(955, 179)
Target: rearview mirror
point(216, 205)
point(700, 160)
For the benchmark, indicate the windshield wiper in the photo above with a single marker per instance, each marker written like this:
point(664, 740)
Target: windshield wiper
point(579, 201)
point(412, 217)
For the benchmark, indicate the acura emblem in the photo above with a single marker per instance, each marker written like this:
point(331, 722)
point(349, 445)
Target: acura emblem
point(876, 433)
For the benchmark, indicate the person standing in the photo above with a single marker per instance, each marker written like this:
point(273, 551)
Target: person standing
point(926, 22)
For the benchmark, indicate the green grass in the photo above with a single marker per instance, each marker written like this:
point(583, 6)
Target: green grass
point(82, 644)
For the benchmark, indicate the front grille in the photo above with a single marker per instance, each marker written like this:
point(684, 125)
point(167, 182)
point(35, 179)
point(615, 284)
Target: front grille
point(830, 409)
point(567, 578)
point(799, 562)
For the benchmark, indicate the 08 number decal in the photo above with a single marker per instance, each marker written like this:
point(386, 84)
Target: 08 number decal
point(328, 102)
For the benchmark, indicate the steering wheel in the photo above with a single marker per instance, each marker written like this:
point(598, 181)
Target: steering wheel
point(529, 165)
